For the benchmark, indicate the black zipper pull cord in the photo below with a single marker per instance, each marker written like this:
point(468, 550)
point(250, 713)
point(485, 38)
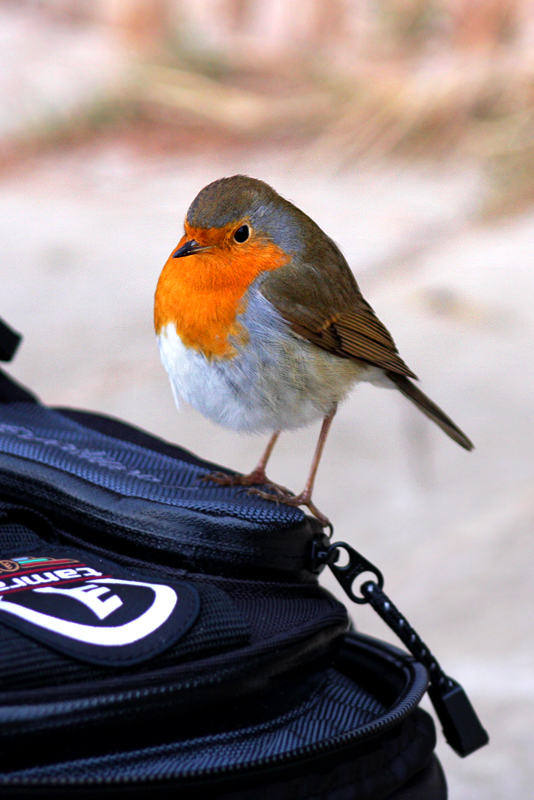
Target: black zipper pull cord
point(461, 726)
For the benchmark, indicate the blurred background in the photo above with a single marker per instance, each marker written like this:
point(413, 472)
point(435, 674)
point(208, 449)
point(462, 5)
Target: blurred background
point(405, 128)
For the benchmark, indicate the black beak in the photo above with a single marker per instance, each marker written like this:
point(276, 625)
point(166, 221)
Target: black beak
point(189, 249)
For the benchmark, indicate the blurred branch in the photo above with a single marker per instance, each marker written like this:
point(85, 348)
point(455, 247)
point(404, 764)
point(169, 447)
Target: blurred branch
point(239, 110)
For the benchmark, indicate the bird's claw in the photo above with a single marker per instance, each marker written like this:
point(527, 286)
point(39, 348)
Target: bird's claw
point(252, 480)
point(269, 491)
point(282, 495)
point(277, 493)
point(220, 478)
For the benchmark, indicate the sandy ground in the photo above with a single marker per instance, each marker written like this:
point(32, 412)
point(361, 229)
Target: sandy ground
point(50, 70)
point(83, 237)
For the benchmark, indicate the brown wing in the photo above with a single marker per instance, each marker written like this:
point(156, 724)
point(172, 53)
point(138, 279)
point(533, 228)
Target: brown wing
point(359, 336)
point(319, 298)
point(325, 306)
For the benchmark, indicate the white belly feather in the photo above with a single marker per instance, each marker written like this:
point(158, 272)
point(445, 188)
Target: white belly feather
point(276, 381)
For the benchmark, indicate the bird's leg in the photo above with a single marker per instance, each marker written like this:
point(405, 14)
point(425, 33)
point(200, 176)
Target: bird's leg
point(304, 498)
point(256, 477)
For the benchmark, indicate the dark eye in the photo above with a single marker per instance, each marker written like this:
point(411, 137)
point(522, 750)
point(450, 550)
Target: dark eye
point(241, 235)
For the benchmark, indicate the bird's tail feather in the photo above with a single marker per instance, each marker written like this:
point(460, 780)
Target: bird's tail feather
point(429, 408)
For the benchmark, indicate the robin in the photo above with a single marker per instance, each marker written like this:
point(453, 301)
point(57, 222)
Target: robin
point(262, 327)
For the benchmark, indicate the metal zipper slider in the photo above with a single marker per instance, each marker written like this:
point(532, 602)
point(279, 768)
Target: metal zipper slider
point(346, 574)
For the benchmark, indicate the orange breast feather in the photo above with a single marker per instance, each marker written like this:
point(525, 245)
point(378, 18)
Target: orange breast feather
point(202, 294)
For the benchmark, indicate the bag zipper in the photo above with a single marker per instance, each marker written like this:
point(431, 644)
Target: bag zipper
point(417, 684)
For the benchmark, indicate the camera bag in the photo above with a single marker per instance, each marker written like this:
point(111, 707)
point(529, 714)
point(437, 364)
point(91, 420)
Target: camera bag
point(163, 636)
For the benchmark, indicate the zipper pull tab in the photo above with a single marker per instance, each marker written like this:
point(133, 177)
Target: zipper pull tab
point(461, 726)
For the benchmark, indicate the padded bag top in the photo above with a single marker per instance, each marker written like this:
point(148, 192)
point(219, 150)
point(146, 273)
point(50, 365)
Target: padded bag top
point(117, 481)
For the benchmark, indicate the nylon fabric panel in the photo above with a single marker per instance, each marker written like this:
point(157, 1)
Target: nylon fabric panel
point(14, 532)
point(272, 607)
point(338, 707)
point(38, 434)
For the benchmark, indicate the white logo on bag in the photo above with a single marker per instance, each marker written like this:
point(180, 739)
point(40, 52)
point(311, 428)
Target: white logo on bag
point(89, 595)
point(163, 604)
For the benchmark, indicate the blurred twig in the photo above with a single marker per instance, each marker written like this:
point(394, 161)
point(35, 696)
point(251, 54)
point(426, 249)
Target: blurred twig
point(228, 106)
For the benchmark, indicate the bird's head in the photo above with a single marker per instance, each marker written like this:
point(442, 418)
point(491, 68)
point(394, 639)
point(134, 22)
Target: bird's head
point(239, 202)
point(235, 229)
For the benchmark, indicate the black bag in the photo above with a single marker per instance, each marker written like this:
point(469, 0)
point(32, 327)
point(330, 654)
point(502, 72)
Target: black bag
point(162, 636)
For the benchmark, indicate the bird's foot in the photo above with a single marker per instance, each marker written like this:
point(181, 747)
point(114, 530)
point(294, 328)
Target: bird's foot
point(256, 478)
point(281, 495)
point(220, 478)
